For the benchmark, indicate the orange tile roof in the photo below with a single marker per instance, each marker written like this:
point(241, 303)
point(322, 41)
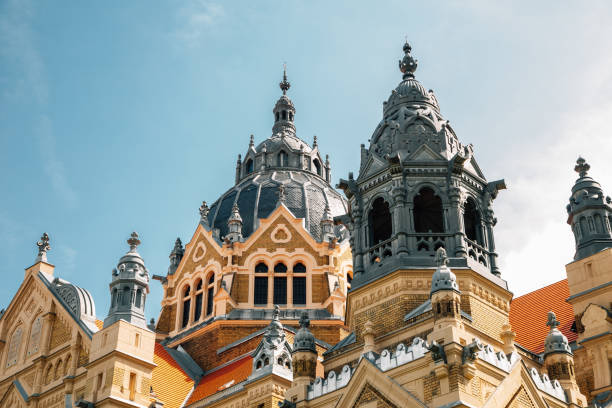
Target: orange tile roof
point(170, 382)
point(529, 313)
point(221, 379)
point(99, 324)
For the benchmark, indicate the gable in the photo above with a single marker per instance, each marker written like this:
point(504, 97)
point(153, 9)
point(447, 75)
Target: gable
point(425, 153)
point(200, 252)
point(521, 400)
point(473, 168)
point(373, 165)
point(371, 397)
point(280, 230)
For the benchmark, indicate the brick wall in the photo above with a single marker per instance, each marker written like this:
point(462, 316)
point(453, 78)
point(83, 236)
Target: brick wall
point(388, 315)
point(240, 288)
point(320, 288)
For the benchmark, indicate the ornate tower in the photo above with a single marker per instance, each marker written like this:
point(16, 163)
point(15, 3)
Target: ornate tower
point(419, 189)
point(129, 288)
point(589, 214)
point(589, 281)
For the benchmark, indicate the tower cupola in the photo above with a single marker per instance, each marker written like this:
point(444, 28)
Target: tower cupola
point(589, 214)
point(129, 287)
point(284, 111)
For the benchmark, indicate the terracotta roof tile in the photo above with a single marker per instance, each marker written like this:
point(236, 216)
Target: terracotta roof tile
point(99, 324)
point(529, 313)
point(170, 383)
point(223, 378)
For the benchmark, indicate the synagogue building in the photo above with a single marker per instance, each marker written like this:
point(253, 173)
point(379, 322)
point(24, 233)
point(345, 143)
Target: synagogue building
point(296, 290)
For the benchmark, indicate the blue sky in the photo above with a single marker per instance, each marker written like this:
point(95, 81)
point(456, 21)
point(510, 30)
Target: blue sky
point(120, 116)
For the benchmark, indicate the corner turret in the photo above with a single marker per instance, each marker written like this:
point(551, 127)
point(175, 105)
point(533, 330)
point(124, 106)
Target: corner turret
point(589, 214)
point(559, 361)
point(129, 288)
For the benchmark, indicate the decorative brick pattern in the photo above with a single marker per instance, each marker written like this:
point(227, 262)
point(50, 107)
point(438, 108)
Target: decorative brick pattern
point(167, 319)
point(487, 319)
point(118, 376)
point(521, 400)
point(60, 333)
point(389, 315)
point(297, 241)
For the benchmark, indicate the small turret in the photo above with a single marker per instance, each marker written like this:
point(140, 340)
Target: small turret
point(129, 287)
point(559, 361)
point(445, 294)
point(273, 354)
point(589, 214)
point(175, 256)
point(204, 210)
point(327, 225)
point(304, 354)
point(234, 225)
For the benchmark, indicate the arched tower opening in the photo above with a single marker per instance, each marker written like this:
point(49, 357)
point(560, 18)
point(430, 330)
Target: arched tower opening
point(379, 221)
point(428, 212)
point(471, 222)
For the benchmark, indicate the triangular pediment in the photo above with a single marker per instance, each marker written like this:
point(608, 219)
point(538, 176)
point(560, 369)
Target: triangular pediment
point(364, 386)
point(201, 251)
point(14, 397)
point(425, 153)
point(374, 164)
point(281, 227)
point(517, 386)
point(473, 168)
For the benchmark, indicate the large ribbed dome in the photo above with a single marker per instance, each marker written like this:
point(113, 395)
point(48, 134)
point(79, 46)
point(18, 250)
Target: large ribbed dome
point(282, 159)
point(257, 196)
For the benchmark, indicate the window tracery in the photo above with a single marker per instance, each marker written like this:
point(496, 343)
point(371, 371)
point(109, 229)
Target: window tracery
point(13, 349)
point(35, 331)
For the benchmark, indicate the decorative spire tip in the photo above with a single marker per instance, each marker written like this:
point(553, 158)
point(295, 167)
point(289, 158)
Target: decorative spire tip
point(408, 64)
point(285, 85)
point(582, 167)
point(552, 320)
point(133, 241)
point(43, 247)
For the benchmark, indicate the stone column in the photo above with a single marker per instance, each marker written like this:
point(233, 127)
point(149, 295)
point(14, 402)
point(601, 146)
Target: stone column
point(490, 222)
point(358, 245)
point(456, 220)
point(400, 225)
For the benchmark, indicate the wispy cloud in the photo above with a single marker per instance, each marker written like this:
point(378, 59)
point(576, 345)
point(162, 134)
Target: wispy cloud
point(25, 82)
point(194, 18)
point(53, 167)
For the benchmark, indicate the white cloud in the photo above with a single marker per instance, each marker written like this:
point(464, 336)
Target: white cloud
point(53, 167)
point(194, 18)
